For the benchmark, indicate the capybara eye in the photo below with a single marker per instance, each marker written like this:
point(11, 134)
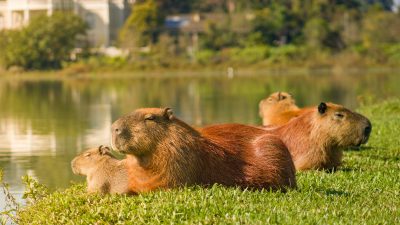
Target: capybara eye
point(87, 154)
point(149, 117)
point(283, 97)
point(339, 115)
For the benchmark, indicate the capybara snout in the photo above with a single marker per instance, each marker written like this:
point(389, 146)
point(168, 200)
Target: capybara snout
point(362, 129)
point(367, 131)
point(130, 132)
point(119, 134)
point(346, 127)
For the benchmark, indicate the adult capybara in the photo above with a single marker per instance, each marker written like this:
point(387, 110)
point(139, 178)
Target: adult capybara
point(317, 137)
point(164, 152)
point(279, 108)
point(104, 173)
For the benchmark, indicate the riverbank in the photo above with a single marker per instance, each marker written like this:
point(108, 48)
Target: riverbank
point(221, 71)
point(364, 191)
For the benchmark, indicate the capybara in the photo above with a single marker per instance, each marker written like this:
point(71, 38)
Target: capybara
point(278, 109)
point(317, 137)
point(164, 152)
point(104, 173)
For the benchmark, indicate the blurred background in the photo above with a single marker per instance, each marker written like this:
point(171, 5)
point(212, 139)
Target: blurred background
point(69, 68)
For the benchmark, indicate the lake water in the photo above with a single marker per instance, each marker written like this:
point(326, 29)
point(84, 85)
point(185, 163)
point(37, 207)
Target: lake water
point(45, 123)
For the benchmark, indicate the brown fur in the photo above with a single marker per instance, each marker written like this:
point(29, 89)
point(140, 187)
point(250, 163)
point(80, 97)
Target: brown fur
point(317, 137)
point(104, 173)
point(164, 152)
point(279, 108)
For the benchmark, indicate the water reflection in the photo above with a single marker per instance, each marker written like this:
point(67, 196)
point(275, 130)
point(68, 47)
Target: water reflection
point(44, 124)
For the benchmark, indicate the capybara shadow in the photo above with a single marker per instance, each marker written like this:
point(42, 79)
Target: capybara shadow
point(359, 148)
point(164, 152)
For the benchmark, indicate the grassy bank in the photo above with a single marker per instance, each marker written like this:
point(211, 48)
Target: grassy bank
point(365, 190)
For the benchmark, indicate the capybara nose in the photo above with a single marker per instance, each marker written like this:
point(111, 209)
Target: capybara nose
point(116, 129)
point(367, 130)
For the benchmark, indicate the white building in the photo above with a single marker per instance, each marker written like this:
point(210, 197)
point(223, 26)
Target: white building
point(104, 17)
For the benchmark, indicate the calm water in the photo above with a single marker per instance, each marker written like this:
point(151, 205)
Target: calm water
point(44, 124)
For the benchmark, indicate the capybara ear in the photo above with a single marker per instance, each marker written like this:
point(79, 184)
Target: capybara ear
point(104, 150)
point(279, 96)
point(168, 113)
point(322, 107)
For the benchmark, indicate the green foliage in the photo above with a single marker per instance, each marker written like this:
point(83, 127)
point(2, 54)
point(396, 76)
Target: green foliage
point(393, 52)
point(34, 191)
point(276, 24)
point(364, 191)
point(7, 216)
point(205, 56)
point(250, 54)
point(177, 6)
point(379, 34)
point(142, 27)
point(285, 53)
point(218, 37)
point(315, 32)
point(45, 43)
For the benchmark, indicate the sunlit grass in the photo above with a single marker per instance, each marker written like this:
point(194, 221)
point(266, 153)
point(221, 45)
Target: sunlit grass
point(366, 190)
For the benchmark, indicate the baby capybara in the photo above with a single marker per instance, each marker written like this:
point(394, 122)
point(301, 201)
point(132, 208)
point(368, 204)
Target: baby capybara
point(279, 108)
point(104, 173)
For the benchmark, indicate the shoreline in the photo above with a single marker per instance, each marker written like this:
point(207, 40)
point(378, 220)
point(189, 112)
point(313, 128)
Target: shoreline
point(189, 73)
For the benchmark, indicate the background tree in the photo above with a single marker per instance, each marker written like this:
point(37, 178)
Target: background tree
point(178, 6)
point(143, 26)
point(277, 24)
point(218, 37)
point(44, 44)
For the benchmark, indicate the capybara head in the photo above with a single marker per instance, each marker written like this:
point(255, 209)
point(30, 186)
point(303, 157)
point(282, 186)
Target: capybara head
point(282, 100)
point(340, 125)
point(90, 159)
point(142, 131)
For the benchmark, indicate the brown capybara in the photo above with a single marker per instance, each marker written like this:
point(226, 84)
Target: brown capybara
point(104, 173)
point(164, 152)
point(279, 108)
point(317, 137)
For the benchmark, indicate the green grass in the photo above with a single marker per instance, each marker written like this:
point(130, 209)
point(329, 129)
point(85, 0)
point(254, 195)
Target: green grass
point(365, 191)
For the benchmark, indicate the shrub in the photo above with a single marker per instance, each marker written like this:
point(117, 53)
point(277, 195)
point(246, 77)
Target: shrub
point(44, 44)
point(249, 55)
point(205, 56)
point(286, 52)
